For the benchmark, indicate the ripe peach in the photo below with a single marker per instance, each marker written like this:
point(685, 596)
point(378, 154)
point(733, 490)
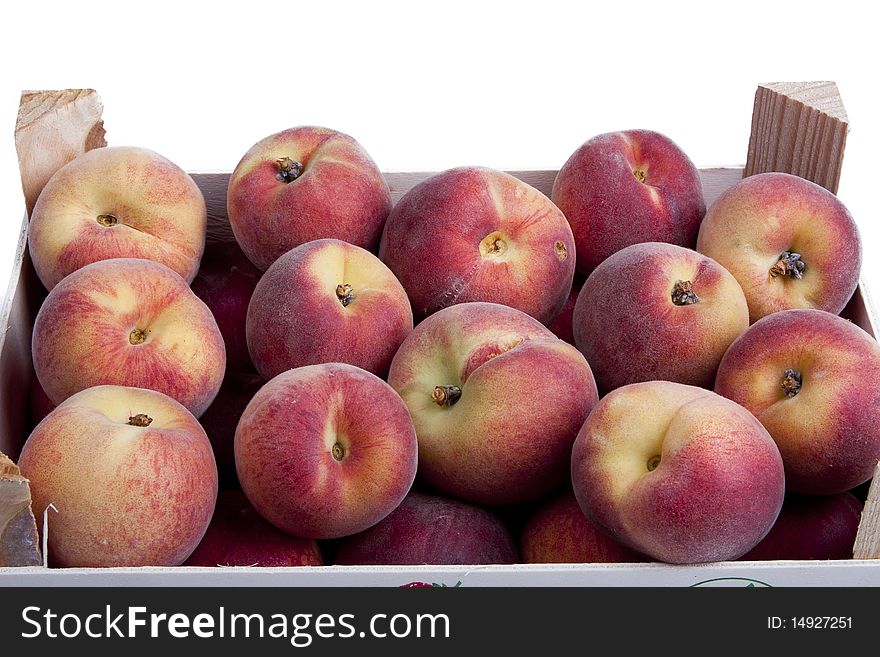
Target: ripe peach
point(808, 376)
point(658, 311)
point(325, 451)
point(128, 322)
point(558, 532)
point(812, 527)
point(430, 529)
point(562, 325)
point(226, 282)
point(120, 202)
point(789, 243)
point(131, 474)
point(623, 188)
point(238, 536)
point(304, 184)
point(477, 234)
point(221, 418)
point(327, 301)
point(496, 400)
point(677, 472)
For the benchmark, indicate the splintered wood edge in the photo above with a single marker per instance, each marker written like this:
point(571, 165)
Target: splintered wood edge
point(18, 527)
point(798, 128)
point(52, 128)
point(867, 545)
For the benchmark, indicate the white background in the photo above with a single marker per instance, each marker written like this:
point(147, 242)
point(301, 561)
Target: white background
point(437, 84)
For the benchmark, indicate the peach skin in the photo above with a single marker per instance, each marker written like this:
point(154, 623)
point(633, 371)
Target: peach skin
point(808, 376)
point(131, 474)
point(677, 473)
point(477, 234)
point(789, 243)
point(132, 323)
point(304, 184)
point(119, 202)
point(496, 400)
point(323, 302)
point(658, 311)
point(623, 188)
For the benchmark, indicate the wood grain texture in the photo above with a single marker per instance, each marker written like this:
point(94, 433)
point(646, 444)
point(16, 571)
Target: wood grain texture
point(798, 128)
point(867, 545)
point(18, 528)
point(52, 128)
point(214, 185)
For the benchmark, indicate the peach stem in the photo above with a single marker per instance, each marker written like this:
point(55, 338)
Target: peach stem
point(344, 294)
point(446, 395)
point(791, 383)
point(288, 170)
point(107, 220)
point(683, 293)
point(789, 264)
point(140, 420)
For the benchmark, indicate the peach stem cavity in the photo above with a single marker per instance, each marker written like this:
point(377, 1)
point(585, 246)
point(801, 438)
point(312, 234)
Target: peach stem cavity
point(107, 220)
point(446, 395)
point(344, 294)
point(683, 293)
point(288, 170)
point(791, 383)
point(790, 264)
point(140, 420)
point(137, 336)
point(653, 462)
point(338, 451)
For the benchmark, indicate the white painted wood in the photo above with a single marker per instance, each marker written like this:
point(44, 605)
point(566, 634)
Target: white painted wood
point(734, 573)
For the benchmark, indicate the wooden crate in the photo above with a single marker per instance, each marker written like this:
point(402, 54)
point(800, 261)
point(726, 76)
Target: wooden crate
point(799, 127)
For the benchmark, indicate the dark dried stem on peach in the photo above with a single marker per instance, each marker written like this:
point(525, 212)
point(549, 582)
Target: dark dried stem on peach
point(446, 395)
point(653, 462)
point(288, 170)
point(640, 175)
point(140, 420)
point(789, 264)
point(344, 294)
point(791, 383)
point(107, 220)
point(137, 336)
point(683, 293)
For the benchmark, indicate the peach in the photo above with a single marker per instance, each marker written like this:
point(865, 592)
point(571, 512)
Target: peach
point(238, 536)
point(496, 400)
point(623, 188)
point(812, 527)
point(477, 234)
point(808, 376)
point(221, 418)
point(130, 473)
point(304, 184)
point(562, 325)
point(558, 532)
point(132, 323)
point(38, 402)
point(431, 529)
point(325, 451)
point(658, 311)
point(677, 472)
point(323, 302)
point(789, 243)
point(226, 282)
point(120, 202)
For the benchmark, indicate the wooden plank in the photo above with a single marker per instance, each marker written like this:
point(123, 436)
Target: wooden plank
point(19, 545)
point(798, 128)
point(867, 545)
point(52, 128)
